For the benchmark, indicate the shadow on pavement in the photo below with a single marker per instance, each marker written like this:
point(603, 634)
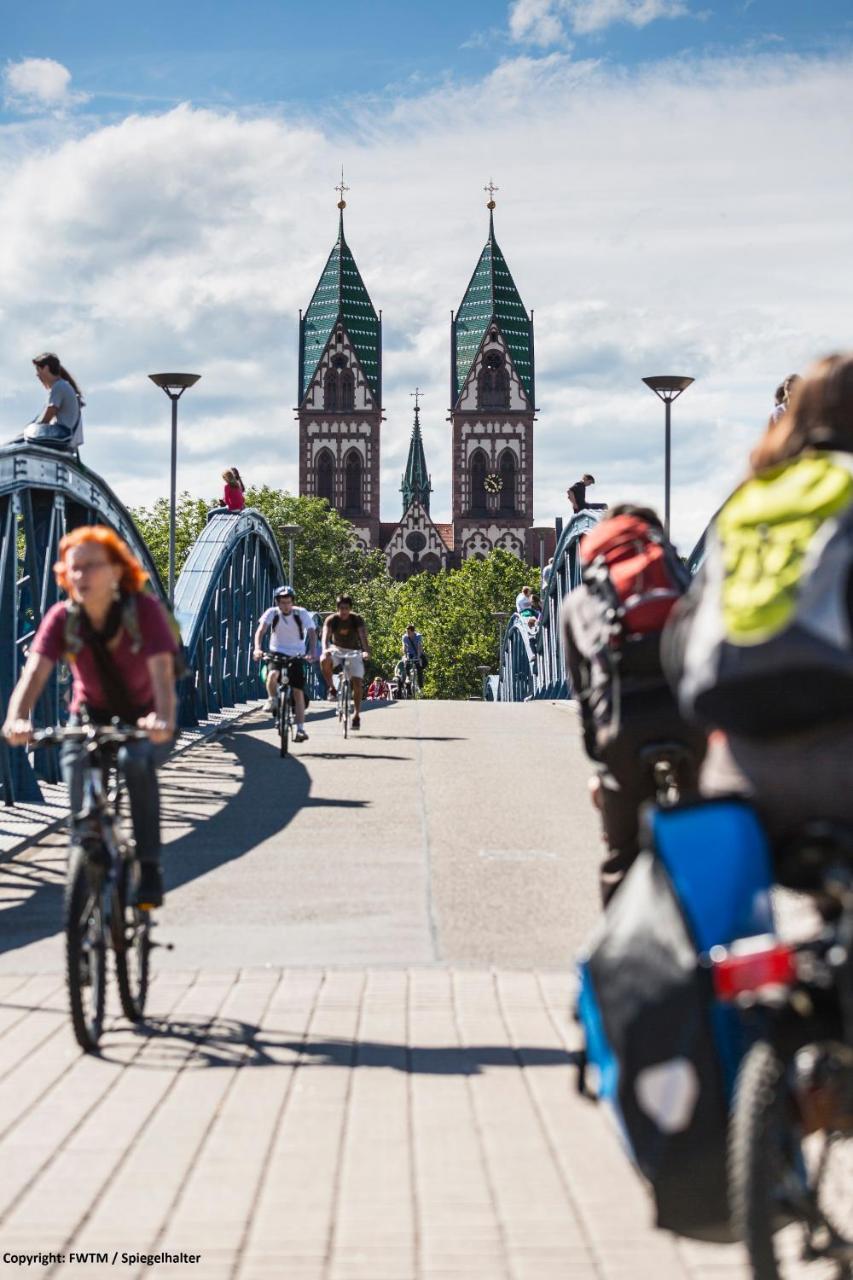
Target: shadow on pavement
point(245, 820)
point(223, 1043)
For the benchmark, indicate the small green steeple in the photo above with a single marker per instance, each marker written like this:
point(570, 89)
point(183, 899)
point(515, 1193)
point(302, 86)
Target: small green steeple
point(491, 296)
point(416, 486)
point(341, 296)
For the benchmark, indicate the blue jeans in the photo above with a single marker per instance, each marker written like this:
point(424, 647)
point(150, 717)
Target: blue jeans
point(138, 762)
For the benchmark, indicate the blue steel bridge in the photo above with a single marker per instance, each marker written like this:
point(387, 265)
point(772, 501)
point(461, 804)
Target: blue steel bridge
point(227, 581)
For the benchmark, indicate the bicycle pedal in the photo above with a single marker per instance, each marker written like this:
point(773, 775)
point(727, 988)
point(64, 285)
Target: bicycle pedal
point(164, 946)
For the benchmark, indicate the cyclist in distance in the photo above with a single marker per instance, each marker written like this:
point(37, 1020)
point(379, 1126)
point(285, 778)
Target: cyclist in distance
point(413, 652)
point(121, 647)
point(345, 636)
point(292, 634)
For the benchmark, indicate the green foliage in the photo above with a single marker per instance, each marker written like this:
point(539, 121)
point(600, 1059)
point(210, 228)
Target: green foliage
point(452, 610)
point(153, 524)
point(327, 558)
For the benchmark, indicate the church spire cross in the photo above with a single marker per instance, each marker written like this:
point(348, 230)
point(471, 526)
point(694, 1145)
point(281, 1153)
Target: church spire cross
point(342, 187)
point(491, 188)
point(416, 395)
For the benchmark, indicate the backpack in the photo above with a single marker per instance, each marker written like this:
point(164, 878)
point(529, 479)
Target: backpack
point(664, 1053)
point(632, 578)
point(296, 618)
point(763, 643)
point(74, 640)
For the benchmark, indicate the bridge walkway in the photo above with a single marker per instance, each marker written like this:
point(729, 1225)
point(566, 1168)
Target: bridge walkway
point(358, 1060)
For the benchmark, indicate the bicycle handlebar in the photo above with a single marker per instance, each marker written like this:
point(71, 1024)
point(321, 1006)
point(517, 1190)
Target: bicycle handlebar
point(114, 734)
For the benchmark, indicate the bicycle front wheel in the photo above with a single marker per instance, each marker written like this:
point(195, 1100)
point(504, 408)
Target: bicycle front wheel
point(85, 952)
point(284, 724)
point(346, 708)
point(132, 943)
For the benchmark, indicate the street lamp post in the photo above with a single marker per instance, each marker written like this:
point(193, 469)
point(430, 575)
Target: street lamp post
point(174, 384)
point(291, 532)
point(667, 388)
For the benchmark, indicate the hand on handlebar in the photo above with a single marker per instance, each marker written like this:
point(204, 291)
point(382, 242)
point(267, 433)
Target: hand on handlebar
point(158, 730)
point(365, 654)
point(257, 654)
point(18, 732)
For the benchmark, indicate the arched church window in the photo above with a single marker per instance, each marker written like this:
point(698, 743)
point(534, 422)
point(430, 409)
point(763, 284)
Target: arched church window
point(508, 474)
point(493, 383)
point(477, 474)
point(346, 391)
point(325, 477)
point(339, 386)
point(352, 484)
point(330, 390)
point(401, 567)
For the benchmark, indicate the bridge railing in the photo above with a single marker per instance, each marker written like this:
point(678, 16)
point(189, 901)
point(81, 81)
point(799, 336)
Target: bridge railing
point(532, 662)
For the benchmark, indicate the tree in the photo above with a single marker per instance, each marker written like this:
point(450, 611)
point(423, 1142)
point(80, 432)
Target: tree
point(153, 525)
point(453, 612)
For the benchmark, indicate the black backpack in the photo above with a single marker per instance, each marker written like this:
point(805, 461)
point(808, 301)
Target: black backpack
point(296, 618)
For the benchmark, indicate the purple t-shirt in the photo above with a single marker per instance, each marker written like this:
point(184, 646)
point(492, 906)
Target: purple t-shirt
point(156, 636)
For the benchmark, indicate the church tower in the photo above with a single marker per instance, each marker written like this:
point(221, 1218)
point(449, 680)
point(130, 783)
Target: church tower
point(417, 484)
point(492, 410)
point(340, 392)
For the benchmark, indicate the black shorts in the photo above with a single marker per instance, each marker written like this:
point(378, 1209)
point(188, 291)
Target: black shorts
point(295, 670)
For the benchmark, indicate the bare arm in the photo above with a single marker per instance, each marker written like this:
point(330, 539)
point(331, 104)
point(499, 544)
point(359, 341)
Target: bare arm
point(34, 677)
point(49, 413)
point(259, 635)
point(160, 723)
point(362, 640)
point(310, 639)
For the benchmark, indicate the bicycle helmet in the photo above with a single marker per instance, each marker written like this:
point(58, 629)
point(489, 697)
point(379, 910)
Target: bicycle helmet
point(284, 591)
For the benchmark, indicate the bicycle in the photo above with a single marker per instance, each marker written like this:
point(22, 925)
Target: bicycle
point(344, 691)
point(283, 702)
point(791, 1124)
point(412, 679)
point(100, 911)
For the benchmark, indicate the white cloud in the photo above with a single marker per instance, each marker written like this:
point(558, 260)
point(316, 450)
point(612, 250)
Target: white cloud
point(39, 84)
point(547, 22)
point(652, 220)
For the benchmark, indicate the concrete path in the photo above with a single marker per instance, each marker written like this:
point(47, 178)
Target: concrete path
point(358, 1060)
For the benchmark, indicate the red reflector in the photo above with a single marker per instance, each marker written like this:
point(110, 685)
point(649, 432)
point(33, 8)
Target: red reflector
point(750, 971)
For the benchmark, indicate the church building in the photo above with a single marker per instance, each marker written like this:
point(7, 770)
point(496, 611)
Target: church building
point(492, 410)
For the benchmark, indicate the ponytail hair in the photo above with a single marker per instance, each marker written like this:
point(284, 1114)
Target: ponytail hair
point(59, 371)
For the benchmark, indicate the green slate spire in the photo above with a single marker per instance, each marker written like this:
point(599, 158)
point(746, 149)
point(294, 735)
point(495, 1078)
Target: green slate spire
point(341, 296)
point(416, 484)
point(492, 296)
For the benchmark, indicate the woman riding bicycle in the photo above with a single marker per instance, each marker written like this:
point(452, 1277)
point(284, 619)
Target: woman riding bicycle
point(121, 649)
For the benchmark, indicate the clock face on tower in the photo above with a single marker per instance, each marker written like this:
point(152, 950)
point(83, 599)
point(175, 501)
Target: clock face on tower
point(493, 483)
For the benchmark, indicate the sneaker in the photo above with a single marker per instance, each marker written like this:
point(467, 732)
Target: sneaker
point(331, 696)
point(149, 892)
point(300, 735)
point(356, 722)
point(269, 706)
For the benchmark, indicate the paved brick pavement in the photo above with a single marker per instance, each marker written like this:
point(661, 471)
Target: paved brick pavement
point(310, 1125)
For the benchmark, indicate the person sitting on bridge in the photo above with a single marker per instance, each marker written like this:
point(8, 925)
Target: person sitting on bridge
point(413, 652)
point(60, 424)
point(524, 599)
point(624, 700)
point(576, 495)
point(121, 648)
point(345, 636)
point(292, 634)
point(232, 497)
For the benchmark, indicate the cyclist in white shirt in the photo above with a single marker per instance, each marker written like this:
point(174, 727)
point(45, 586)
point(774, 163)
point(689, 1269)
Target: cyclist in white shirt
point(292, 633)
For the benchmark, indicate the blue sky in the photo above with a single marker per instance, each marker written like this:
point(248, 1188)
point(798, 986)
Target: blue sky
point(262, 52)
point(676, 196)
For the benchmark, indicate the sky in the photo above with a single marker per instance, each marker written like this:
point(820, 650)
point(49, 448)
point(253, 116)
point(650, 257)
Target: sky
point(675, 196)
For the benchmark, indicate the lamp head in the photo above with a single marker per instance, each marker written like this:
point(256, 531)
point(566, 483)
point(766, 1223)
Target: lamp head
point(174, 384)
point(668, 387)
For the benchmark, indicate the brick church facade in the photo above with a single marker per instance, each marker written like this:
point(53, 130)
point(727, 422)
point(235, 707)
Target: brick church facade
point(491, 414)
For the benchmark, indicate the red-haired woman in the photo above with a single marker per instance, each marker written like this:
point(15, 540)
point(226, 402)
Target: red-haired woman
point(121, 649)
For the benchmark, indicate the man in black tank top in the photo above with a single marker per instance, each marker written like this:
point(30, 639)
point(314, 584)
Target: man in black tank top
point(345, 635)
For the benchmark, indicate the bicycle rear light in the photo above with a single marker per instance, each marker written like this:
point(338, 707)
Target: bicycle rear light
point(752, 965)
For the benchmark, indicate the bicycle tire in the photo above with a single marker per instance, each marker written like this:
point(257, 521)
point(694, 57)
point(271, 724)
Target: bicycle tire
point(284, 723)
point(85, 952)
point(346, 708)
point(132, 954)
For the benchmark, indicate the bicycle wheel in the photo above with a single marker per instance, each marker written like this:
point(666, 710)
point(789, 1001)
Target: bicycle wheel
point(790, 1196)
point(284, 722)
point(85, 950)
point(345, 701)
point(131, 942)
